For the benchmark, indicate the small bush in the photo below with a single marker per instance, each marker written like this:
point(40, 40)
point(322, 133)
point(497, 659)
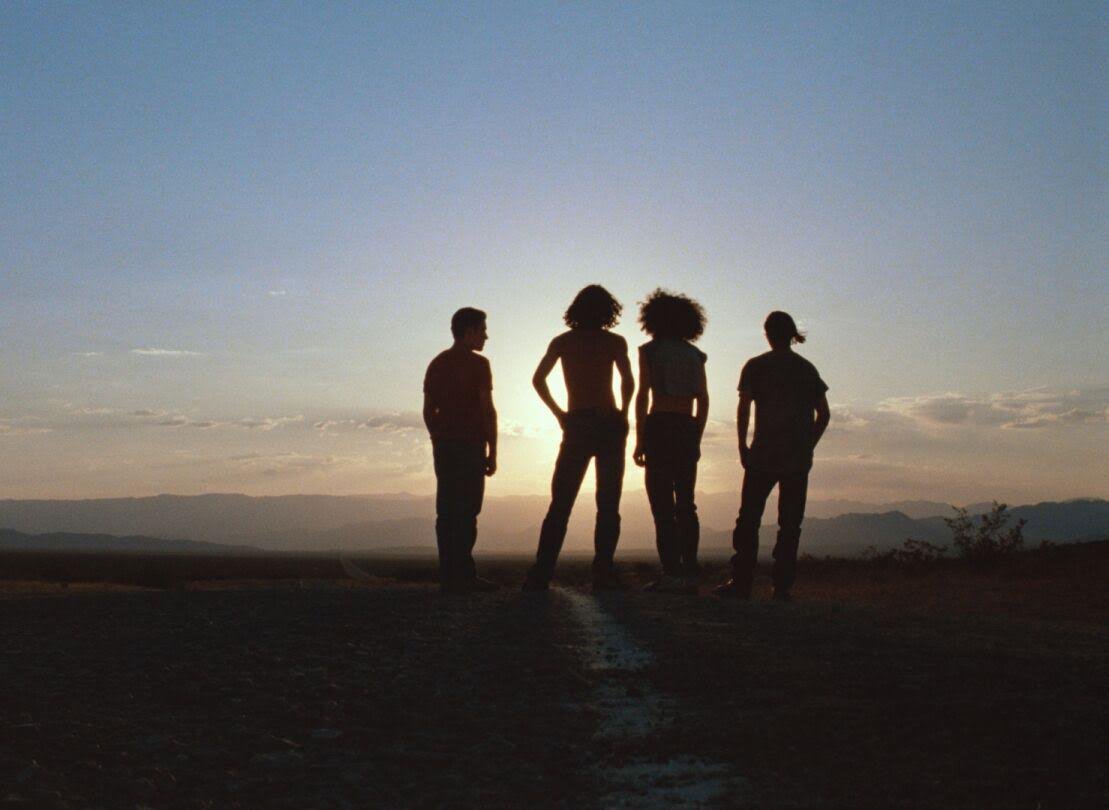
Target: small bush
point(911, 554)
point(989, 541)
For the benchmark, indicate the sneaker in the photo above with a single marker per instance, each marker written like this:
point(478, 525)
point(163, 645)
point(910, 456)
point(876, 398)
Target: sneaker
point(732, 590)
point(608, 581)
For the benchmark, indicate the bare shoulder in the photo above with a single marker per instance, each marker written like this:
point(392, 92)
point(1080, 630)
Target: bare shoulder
point(558, 344)
point(617, 342)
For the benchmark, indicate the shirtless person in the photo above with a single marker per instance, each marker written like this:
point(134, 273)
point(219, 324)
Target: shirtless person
point(592, 427)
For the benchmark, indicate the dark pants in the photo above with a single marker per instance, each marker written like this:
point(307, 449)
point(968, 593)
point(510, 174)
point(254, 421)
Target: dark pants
point(673, 448)
point(460, 479)
point(792, 491)
point(585, 435)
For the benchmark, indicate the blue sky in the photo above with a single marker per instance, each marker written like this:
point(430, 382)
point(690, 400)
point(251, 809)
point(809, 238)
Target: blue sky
point(233, 213)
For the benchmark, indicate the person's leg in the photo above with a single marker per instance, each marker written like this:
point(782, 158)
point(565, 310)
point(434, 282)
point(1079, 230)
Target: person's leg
point(659, 477)
point(573, 459)
point(471, 493)
point(792, 493)
point(660, 495)
point(611, 448)
point(446, 496)
point(685, 482)
point(745, 539)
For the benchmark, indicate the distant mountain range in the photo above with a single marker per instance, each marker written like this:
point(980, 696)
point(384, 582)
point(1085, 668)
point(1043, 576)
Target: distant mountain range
point(60, 541)
point(508, 524)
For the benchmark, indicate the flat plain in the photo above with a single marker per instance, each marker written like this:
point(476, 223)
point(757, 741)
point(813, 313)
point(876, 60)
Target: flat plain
point(167, 681)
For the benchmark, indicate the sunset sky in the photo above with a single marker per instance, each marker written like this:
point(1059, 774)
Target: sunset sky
point(232, 235)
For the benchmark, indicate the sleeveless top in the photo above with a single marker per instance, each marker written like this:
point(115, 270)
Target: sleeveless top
point(675, 365)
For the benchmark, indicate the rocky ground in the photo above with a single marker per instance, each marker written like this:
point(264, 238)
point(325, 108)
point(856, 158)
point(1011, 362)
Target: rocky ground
point(330, 692)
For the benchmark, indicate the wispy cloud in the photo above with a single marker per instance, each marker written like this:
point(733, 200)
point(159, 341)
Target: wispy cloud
point(285, 463)
point(520, 430)
point(88, 354)
point(10, 428)
point(266, 423)
point(277, 293)
point(1032, 408)
point(91, 410)
point(152, 352)
point(388, 423)
point(1075, 416)
point(263, 423)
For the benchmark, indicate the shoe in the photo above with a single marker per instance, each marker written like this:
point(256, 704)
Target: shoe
point(732, 590)
point(669, 583)
point(781, 596)
point(608, 581)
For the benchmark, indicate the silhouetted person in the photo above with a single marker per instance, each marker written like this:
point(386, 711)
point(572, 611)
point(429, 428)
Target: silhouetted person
point(791, 414)
point(459, 414)
point(668, 439)
point(592, 428)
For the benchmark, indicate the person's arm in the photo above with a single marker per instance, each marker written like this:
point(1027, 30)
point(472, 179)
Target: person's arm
point(539, 382)
point(702, 401)
point(823, 417)
point(429, 411)
point(742, 417)
point(642, 401)
point(627, 380)
point(489, 419)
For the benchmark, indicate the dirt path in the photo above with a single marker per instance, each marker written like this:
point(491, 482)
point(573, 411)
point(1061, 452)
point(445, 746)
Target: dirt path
point(632, 715)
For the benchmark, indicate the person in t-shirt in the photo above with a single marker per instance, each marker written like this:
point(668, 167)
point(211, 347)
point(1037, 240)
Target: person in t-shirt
point(791, 414)
point(592, 428)
point(462, 422)
point(668, 439)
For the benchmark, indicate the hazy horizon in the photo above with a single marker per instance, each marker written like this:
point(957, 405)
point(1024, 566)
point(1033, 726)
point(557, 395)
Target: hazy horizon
point(233, 236)
point(542, 496)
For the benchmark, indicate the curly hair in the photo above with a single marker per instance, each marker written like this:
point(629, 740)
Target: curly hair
point(593, 308)
point(671, 315)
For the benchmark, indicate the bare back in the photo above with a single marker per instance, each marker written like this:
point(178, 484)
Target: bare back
point(588, 357)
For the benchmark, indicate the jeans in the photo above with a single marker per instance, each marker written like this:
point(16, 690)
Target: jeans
point(460, 489)
point(585, 435)
point(672, 447)
point(792, 491)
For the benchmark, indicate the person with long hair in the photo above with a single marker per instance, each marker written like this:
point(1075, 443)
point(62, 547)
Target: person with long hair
point(671, 411)
point(791, 414)
point(592, 428)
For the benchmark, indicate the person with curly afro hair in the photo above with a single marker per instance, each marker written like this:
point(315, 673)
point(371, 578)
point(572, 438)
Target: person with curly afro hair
point(671, 411)
point(592, 428)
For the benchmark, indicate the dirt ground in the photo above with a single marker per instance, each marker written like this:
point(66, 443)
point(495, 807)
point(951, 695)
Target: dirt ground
point(876, 689)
